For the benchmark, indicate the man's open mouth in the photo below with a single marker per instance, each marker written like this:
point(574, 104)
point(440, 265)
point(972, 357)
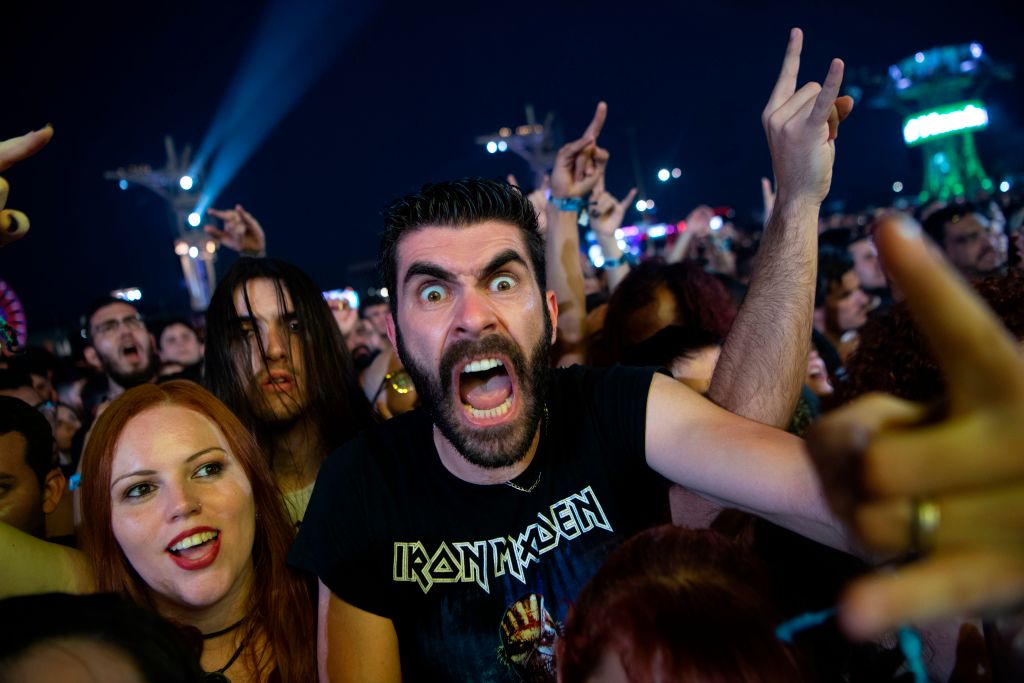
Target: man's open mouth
point(131, 353)
point(486, 389)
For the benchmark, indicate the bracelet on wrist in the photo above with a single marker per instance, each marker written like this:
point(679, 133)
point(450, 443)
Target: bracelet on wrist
point(567, 203)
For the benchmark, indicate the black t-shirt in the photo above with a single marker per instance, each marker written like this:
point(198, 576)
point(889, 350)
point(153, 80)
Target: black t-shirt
point(477, 579)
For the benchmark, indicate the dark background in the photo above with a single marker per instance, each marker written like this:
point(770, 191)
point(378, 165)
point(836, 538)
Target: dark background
point(411, 87)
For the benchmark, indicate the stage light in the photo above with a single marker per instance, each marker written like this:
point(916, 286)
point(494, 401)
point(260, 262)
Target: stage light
point(656, 231)
point(919, 58)
point(946, 120)
point(677, 172)
point(650, 204)
point(123, 184)
point(664, 174)
point(181, 247)
point(502, 146)
point(384, 292)
point(1004, 186)
point(897, 186)
point(505, 132)
point(715, 222)
point(194, 219)
point(127, 294)
point(185, 182)
point(641, 205)
point(211, 247)
point(596, 255)
point(193, 252)
point(976, 50)
point(492, 147)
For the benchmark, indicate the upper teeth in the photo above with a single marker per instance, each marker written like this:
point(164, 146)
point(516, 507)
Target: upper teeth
point(194, 539)
point(481, 365)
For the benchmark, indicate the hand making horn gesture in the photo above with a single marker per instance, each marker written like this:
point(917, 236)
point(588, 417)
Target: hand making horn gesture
point(801, 126)
point(580, 163)
point(946, 489)
point(14, 224)
point(241, 233)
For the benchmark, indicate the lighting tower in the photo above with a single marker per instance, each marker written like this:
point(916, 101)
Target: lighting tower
point(533, 141)
point(938, 93)
point(177, 187)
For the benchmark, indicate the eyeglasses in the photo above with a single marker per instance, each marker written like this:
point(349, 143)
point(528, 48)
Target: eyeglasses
point(110, 327)
point(399, 381)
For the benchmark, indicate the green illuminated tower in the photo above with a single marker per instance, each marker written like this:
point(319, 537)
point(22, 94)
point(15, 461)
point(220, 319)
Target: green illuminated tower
point(937, 91)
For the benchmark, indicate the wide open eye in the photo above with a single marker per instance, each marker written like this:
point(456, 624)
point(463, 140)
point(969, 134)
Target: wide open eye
point(433, 294)
point(502, 283)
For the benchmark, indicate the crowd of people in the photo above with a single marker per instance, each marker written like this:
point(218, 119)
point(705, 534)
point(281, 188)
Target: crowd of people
point(787, 452)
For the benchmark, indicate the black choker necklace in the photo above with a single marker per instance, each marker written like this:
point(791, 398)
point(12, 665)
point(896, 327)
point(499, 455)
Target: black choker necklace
point(218, 675)
point(229, 629)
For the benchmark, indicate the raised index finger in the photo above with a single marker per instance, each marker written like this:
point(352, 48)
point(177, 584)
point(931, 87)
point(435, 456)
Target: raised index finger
point(594, 129)
point(979, 358)
point(786, 85)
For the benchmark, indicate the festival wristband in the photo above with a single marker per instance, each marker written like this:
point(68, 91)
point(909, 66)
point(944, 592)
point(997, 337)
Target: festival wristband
point(567, 203)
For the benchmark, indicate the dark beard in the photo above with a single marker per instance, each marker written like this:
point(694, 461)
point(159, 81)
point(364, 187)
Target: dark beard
point(132, 379)
point(491, 447)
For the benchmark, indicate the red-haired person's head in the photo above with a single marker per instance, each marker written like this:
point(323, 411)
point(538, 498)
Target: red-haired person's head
point(172, 486)
point(675, 604)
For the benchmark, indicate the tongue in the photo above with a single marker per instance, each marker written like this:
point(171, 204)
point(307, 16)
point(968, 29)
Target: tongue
point(195, 551)
point(484, 392)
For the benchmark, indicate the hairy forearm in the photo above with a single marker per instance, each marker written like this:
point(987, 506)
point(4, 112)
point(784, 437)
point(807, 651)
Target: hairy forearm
point(565, 278)
point(764, 359)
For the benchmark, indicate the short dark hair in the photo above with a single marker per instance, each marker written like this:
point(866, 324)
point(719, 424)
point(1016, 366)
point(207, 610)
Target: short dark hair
point(458, 203)
point(935, 224)
point(371, 300)
point(162, 325)
point(18, 416)
point(833, 263)
point(339, 408)
point(97, 304)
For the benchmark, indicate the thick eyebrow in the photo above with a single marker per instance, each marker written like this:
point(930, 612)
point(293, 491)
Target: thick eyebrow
point(435, 271)
point(501, 260)
point(148, 473)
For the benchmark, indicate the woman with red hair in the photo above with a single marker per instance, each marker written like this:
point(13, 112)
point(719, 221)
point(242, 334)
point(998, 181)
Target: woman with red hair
point(181, 513)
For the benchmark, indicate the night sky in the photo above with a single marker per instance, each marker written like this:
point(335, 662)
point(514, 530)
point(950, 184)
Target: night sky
point(400, 105)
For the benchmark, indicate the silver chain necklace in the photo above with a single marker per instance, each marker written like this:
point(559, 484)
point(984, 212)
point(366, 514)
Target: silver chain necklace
point(517, 487)
point(543, 428)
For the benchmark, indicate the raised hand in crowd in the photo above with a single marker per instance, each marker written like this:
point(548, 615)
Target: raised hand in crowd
point(606, 216)
point(801, 126)
point(14, 224)
point(241, 233)
point(698, 226)
point(948, 489)
point(776, 317)
point(578, 167)
point(580, 163)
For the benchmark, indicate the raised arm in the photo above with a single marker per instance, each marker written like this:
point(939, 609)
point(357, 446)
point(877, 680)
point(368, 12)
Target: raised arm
point(606, 216)
point(736, 462)
point(354, 645)
point(764, 357)
point(30, 565)
point(578, 167)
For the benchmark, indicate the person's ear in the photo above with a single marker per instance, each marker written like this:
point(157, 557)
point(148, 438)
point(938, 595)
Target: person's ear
point(389, 325)
point(54, 486)
point(92, 358)
point(551, 301)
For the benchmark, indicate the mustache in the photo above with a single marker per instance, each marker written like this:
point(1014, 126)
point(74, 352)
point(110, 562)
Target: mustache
point(488, 346)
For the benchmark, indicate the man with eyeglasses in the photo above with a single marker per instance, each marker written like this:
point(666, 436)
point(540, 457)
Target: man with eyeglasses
point(974, 244)
point(120, 344)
